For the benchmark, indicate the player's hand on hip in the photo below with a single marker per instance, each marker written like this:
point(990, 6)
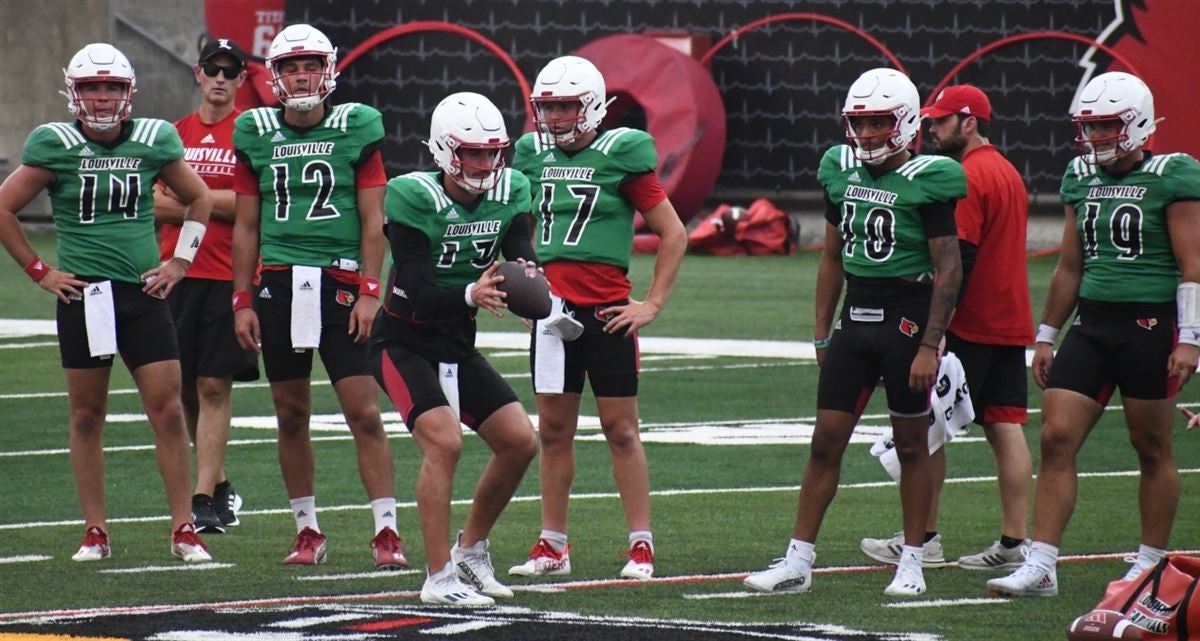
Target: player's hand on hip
point(62, 284)
point(161, 280)
point(923, 372)
point(1043, 357)
point(1183, 361)
point(245, 326)
point(630, 316)
point(362, 318)
point(485, 295)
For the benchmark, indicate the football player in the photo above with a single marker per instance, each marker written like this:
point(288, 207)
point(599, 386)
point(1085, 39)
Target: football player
point(446, 228)
point(110, 283)
point(891, 235)
point(309, 183)
point(1130, 268)
point(587, 186)
point(210, 356)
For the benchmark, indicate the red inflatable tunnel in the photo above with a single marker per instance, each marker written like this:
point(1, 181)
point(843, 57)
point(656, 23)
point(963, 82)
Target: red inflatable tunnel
point(683, 107)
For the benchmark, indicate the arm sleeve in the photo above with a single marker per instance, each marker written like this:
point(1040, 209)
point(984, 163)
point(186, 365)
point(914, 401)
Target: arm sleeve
point(245, 181)
point(518, 243)
point(969, 251)
point(831, 211)
point(969, 214)
point(643, 190)
point(937, 219)
point(415, 275)
point(369, 172)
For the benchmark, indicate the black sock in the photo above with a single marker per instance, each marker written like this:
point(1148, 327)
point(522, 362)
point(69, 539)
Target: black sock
point(929, 536)
point(223, 485)
point(1008, 542)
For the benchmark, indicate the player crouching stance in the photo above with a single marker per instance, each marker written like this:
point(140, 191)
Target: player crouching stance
point(1132, 223)
point(99, 171)
point(891, 232)
point(445, 229)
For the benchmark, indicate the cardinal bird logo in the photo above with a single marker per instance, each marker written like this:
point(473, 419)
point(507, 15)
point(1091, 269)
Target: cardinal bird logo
point(908, 328)
point(344, 297)
point(1147, 323)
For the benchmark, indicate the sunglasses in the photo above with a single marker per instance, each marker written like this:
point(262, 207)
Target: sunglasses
point(211, 69)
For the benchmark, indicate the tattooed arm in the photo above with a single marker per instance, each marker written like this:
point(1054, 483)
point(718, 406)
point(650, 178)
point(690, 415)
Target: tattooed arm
point(947, 264)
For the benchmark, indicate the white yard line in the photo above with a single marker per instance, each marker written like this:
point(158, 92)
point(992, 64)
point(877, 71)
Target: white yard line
point(378, 574)
point(946, 603)
point(24, 558)
point(182, 567)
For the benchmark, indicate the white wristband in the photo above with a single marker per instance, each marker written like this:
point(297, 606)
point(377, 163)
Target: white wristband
point(467, 295)
point(1187, 304)
point(190, 237)
point(1189, 336)
point(1047, 334)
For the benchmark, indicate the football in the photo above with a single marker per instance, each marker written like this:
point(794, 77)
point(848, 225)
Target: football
point(1102, 624)
point(527, 296)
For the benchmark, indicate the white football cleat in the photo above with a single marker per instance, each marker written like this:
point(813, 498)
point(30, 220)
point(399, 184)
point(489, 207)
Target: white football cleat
point(909, 581)
point(186, 545)
point(641, 562)
point(474, 567)
point(94, 546)
point(544, 560)
point(1028, 580)
point(445, 588)
point(781, 577)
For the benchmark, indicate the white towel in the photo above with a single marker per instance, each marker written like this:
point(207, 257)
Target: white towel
point(306, 307)
point(100, 316)
point(950, 411)
point(448, 378)
point(549, 359)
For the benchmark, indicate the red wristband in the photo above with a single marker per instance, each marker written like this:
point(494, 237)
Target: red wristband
point(37, 269)
point(242, 300)
point(368, 287)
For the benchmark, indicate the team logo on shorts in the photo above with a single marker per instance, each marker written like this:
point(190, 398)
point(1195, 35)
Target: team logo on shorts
point(908, 328)
point(344, 297)
point(1147, 323)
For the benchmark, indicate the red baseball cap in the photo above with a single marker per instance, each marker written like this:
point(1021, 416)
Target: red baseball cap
point(967, 100)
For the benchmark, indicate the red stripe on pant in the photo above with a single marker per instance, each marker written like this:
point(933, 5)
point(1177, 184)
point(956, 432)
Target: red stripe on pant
point(396, 388)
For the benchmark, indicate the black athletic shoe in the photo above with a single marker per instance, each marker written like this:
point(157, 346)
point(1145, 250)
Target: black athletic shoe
point(204, 516)
point(227, 502)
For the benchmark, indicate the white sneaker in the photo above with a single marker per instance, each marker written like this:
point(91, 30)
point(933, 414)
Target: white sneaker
point(1136, 569)
point(564, 327)
point(445, 588)
point(909, 581)
point(888, 550)
point(641, 562)
point(1028, 580)
point(995, 557)
point(544, 560)
point(474, 567)
point(781, 577)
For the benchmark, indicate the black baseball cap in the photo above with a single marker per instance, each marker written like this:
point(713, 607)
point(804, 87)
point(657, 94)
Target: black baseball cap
point(226, 46)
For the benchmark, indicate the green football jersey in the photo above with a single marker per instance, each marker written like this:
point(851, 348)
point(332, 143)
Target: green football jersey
point(582, 215)
point(1122, 226)
point(882, 234)
point(463, 241)
point(101, 198)
point(306, 180)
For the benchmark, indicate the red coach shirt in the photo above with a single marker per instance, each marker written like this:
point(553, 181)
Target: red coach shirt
point(208, 149)
point(995, 307)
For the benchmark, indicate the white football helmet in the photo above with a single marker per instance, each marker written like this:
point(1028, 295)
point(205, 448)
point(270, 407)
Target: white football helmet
point(883, 92)
point(296, 41)
point(1113, 96)
point(468, 121)
point(569, 79)
point(99, 62)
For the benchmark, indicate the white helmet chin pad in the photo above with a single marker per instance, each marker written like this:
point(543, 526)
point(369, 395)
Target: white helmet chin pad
point(569, 79)
point(463, 121)
point(302, 41)
point(883, 92)
point(1113, 96)
point(99, 63)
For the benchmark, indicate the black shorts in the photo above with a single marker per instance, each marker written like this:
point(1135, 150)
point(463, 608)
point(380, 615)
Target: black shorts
point(145, 332)
point(997, 377)
point(609, 361)
point(414, 384)
point(863, 351)
point(1117, 346)
point(204, 326)
point(340, 354)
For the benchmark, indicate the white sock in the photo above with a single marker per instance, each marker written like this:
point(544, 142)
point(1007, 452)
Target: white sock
point(557, 540)
point(801, 553)
point(1043, 555)
point(385, 513)
point(642, 535)
point(304, 509)
point(912, 556)
point(1148, 556)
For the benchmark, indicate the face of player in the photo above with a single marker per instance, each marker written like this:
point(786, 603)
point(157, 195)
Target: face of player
point(559, 116)
point(217, 89)
point(872, 132)
point(478, 163)
point(102, 99)
point(946, 134)
point(1103, 135)
point(302, 76)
